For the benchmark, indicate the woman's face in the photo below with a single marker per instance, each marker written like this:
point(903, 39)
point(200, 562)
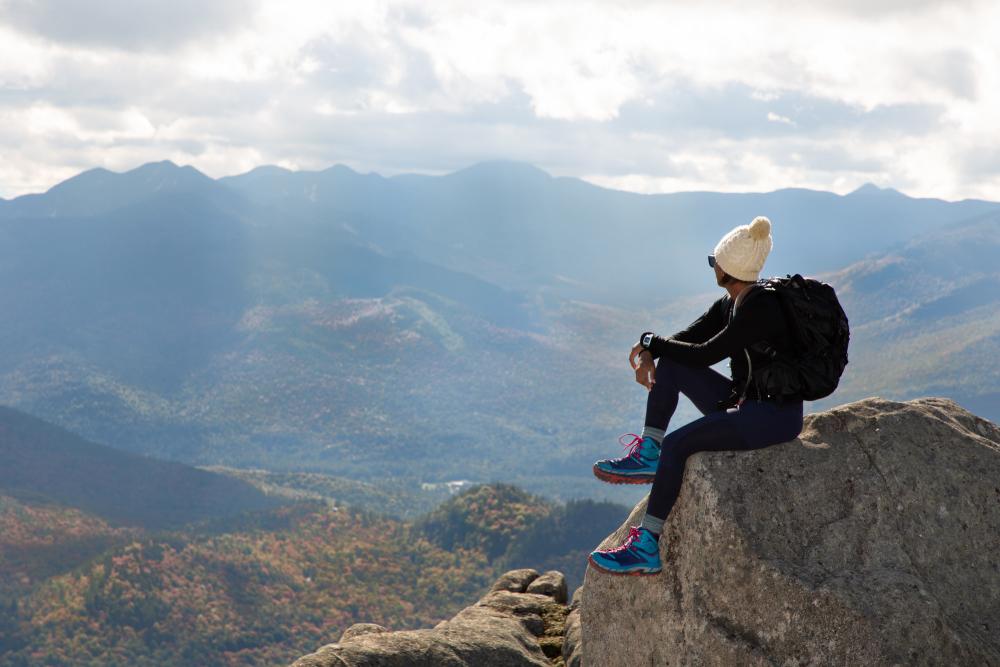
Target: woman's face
point(719, 273)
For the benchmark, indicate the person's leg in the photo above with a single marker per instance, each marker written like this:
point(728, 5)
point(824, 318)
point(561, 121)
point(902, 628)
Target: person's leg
point(704, 386)
point(754, 425)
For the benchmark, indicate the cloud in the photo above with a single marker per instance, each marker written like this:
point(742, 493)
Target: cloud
point(889, 8)
point(775, 118)
point(131, 25)
point(737, 110)
point(953, 70)
point(644, 95)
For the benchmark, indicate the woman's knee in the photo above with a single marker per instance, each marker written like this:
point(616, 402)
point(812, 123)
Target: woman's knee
point(665, 369)
point(675, 373)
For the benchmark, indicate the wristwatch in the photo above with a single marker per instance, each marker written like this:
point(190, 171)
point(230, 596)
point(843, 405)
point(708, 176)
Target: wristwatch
point(646, 339)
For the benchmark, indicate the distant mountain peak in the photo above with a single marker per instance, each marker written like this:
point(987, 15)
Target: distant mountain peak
point(870, 188)
point(165, 168)
point(161, 166)
point(504, 168)
point(90, 178)
point(161, 169)
point(101, 190)
point(339, 168)
point(867, 187)
point(265, 169)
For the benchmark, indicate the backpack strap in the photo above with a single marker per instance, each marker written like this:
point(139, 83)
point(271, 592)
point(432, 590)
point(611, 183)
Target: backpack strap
point(753, 291)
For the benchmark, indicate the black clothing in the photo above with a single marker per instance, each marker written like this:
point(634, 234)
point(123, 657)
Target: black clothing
point(719, 333)
point(755, 424)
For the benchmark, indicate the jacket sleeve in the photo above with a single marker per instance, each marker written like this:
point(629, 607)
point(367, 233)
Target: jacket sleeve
point(709, 323)
point(747, 327)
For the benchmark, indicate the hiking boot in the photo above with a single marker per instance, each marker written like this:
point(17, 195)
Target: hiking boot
point(636, 467)
point(638, 556)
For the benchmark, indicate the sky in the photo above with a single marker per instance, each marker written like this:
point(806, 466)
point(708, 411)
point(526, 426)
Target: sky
point(642, 96)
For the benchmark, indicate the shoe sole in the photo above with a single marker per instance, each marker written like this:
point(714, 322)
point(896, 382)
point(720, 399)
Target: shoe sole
point(622, 479)
point(634, 573)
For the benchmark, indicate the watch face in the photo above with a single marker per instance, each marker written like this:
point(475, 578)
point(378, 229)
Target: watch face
point(647, 339)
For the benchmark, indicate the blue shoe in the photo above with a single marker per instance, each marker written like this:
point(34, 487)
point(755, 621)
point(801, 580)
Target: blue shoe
point(638, 556)
point(636, 467)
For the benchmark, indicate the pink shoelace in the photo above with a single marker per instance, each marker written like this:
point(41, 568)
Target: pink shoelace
point(633, 535)
point(632, 447)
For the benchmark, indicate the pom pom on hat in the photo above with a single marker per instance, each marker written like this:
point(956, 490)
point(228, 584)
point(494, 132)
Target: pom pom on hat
point(760, 228)
point(741, 253)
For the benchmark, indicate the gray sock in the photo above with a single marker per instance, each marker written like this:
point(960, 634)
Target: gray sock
point(652, 524)
point(654, 433)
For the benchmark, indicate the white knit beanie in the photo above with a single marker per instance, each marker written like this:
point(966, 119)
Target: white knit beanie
point(741, 252)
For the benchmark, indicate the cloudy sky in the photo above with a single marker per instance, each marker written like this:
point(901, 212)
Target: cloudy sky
point(644, 96)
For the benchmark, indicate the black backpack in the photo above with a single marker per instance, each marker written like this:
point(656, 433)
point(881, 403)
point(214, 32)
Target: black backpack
point(819, 332)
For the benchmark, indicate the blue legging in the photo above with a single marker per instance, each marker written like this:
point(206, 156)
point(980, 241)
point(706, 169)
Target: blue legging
point(754, 425)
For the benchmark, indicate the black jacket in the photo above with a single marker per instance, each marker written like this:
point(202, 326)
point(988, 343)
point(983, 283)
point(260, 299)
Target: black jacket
point(718, 334)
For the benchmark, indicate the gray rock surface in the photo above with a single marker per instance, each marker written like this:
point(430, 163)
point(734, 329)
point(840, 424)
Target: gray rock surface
point(359, 629)
point(552, 583)
point(572, 648)
point(872, 539)
point(515, 580)
point(507, 627)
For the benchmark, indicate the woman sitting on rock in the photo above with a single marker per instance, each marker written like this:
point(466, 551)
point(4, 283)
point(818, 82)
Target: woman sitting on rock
point(737, 414)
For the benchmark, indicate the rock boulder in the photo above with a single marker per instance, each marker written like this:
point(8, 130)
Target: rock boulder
point(507, 627)
point(872, 539)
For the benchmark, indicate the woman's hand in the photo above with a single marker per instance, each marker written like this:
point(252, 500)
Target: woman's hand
point(645, 370)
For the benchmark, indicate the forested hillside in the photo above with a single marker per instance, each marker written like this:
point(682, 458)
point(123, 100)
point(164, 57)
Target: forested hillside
point(267, 586)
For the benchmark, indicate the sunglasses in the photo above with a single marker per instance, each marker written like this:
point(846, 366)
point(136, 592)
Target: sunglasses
point(711, 261)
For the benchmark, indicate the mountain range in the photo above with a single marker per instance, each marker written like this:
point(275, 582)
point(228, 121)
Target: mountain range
point(510, 223)
point(435, 328)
